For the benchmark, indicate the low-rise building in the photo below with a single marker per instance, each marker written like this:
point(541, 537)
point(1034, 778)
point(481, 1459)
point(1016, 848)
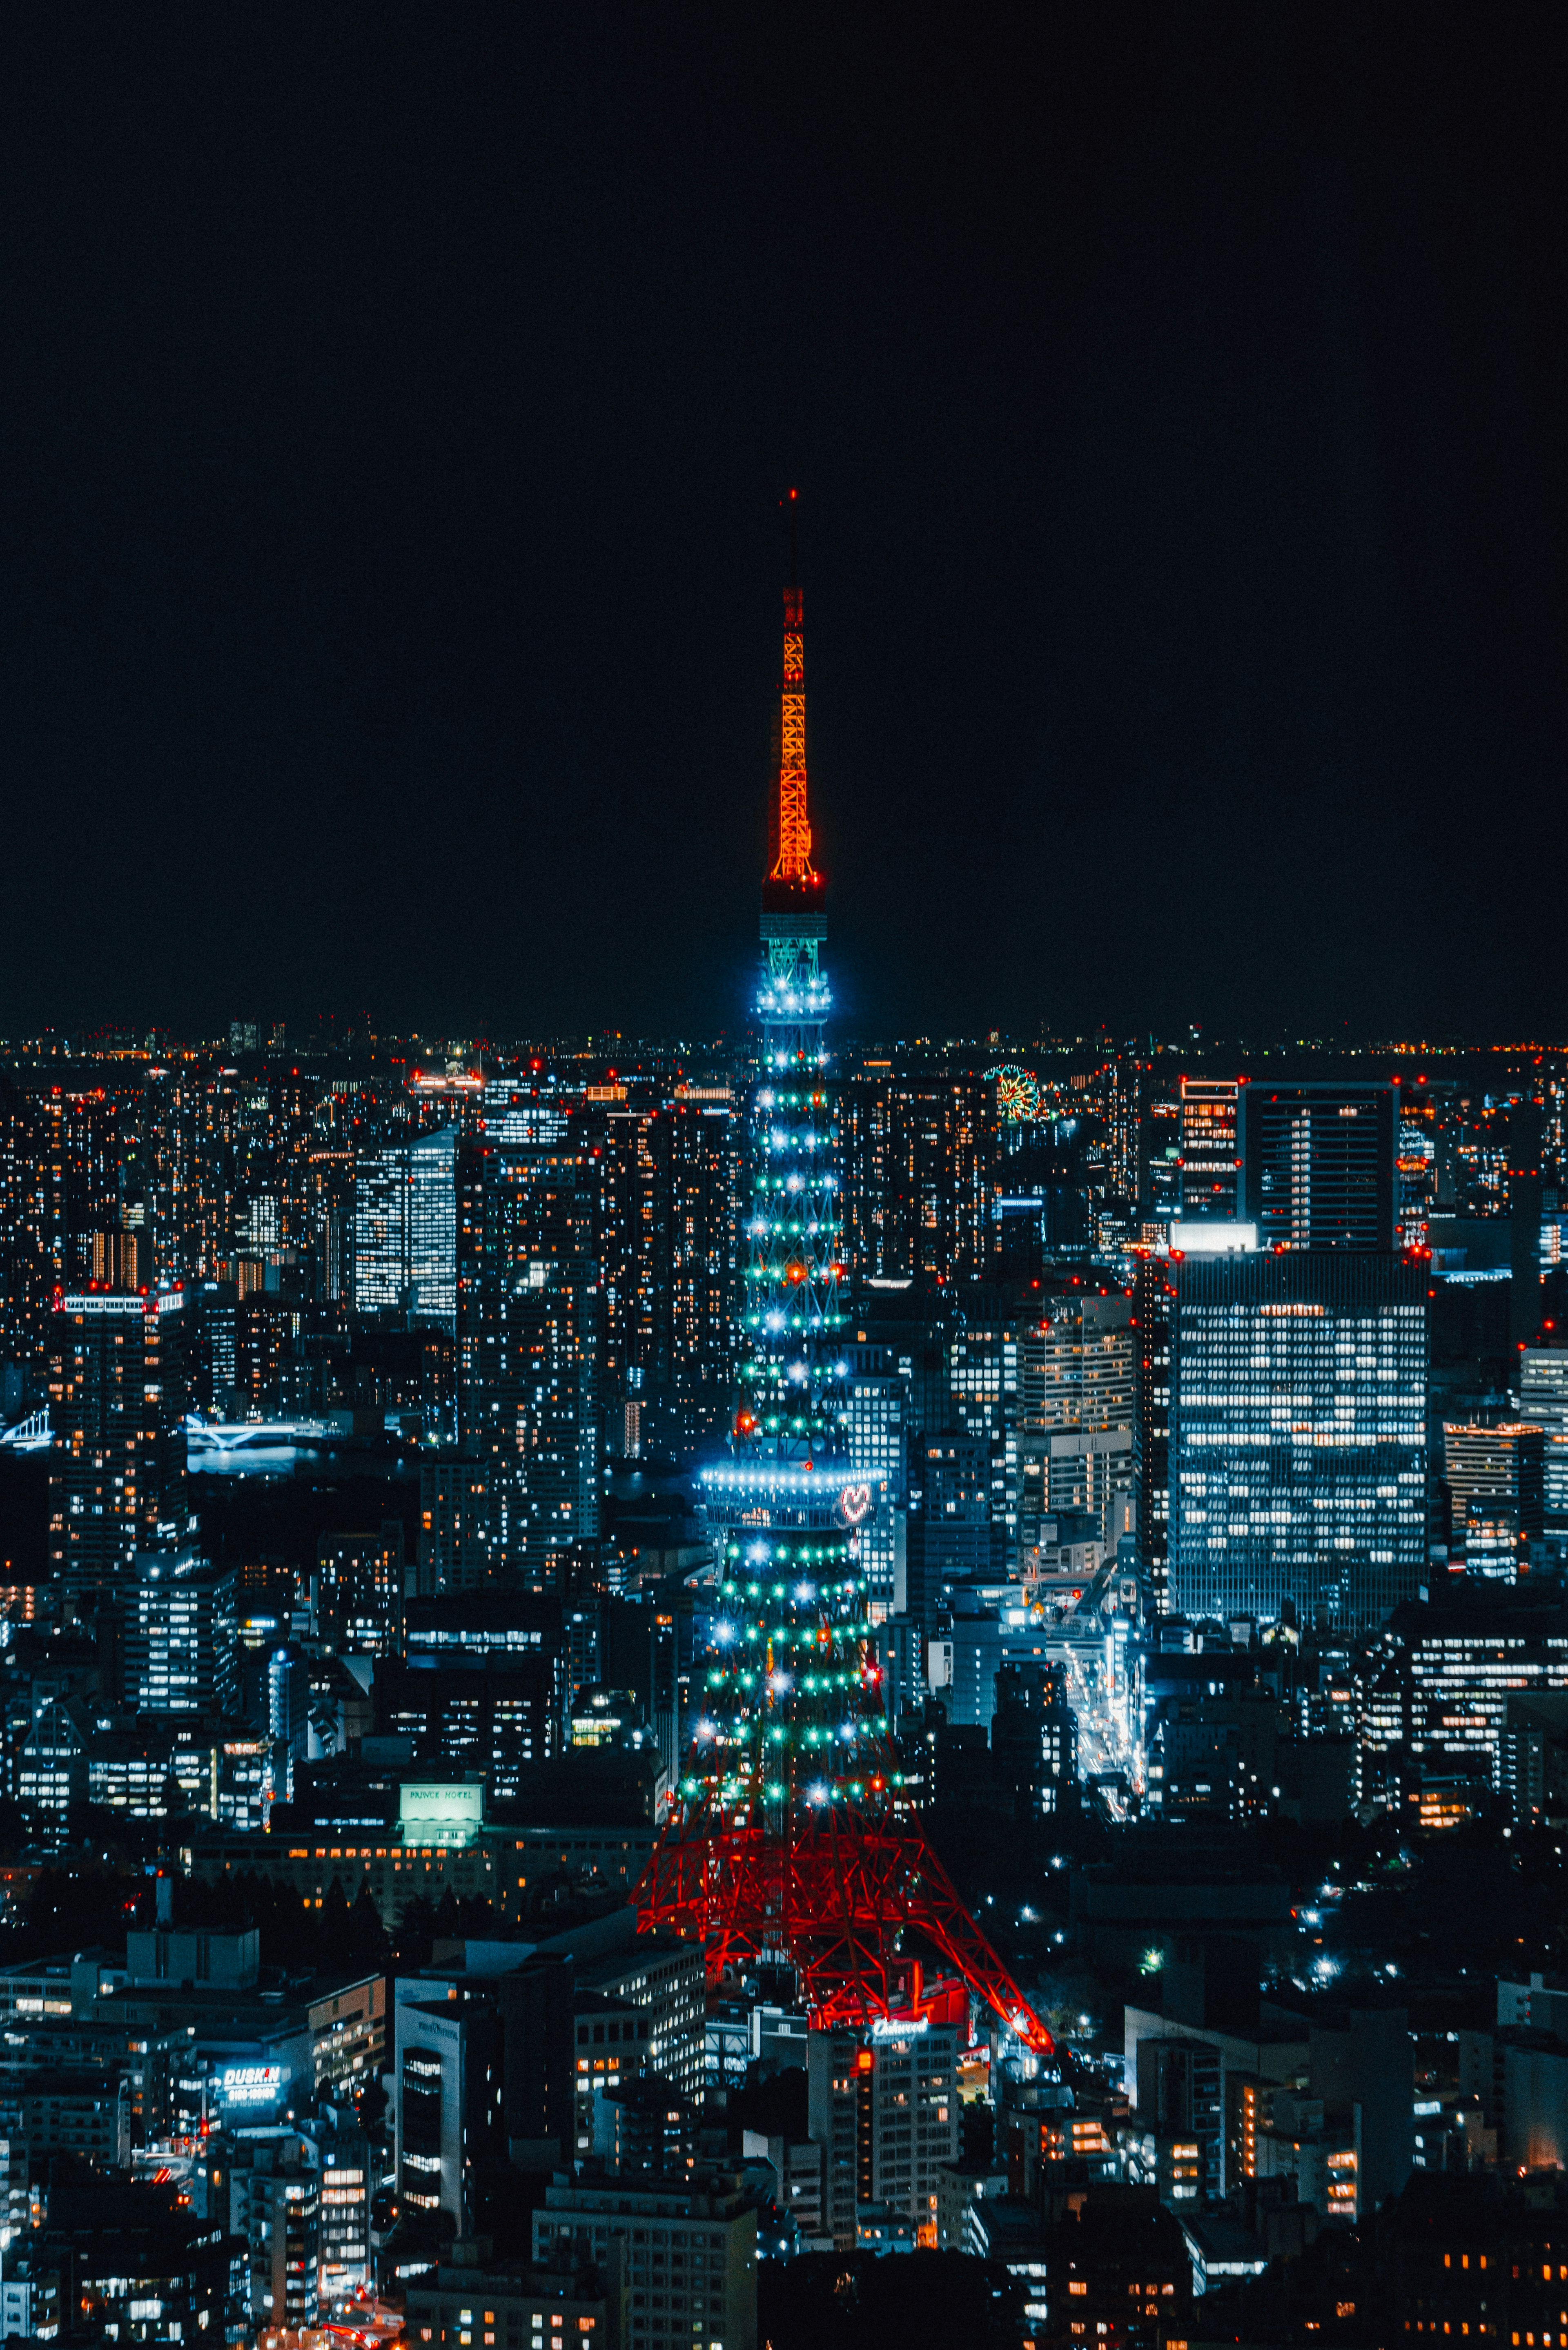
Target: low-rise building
point(689, 2253)
point(474, 2301)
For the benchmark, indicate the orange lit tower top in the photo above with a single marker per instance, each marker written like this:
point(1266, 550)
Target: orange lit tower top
point(793, 884)
point(794, 863)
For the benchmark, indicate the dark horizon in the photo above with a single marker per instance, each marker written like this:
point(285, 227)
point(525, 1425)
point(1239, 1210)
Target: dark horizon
point(396, 413)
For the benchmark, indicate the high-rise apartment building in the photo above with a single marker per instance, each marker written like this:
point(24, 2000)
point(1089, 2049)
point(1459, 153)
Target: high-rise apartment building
point(1076, 1389)
point(884, 2107)
point(703, 1177)
point(61, 1161)
point(1319, 1164)
point(454, 1525)
point(1298, 1433)
point(623, 1152)
point(1159, 1163)
point(1123, 1091)
point(405, 1230)
point(528, 1405)
point(1076, 1363)
point(918, 1148)
point(660, 1178)
point(117, 1471)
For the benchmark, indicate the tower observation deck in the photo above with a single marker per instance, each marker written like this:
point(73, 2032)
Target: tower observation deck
point(785, 1844)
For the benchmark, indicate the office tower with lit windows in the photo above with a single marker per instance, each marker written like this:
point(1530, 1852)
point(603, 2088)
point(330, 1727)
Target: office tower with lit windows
point(1160, 1147)
point(877, 1404)
point(950, 1537)
point(488, 1710)
point(1497, 1494)
point(117, 1470)
point(1319, 1163)
point(983, 1383)
point(1209, 1148)
point(1543, 1401)
point(180, 1634)
point(405, 1230)
point(1443, 1689)
point(1297, 1434)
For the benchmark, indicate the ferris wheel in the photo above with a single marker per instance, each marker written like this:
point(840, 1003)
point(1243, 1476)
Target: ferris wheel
point(1017, 1095)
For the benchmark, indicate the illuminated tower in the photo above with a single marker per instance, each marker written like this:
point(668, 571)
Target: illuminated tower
point(784, 1844)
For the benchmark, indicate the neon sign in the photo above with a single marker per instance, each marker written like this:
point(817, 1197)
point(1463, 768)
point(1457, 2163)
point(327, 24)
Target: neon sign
point(853, 1504)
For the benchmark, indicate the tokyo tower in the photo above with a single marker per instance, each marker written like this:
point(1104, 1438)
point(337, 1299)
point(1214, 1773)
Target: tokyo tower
point(785, 1844)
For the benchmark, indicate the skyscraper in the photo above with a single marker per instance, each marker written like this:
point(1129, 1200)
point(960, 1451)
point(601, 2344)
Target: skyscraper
point(1076, 1396)
point(528, 1340)
point(1298, 1433)
point(704, 1175)
point(875, 1434)
point(1318, 1163)
point(624, 1150)
point(405, 1230)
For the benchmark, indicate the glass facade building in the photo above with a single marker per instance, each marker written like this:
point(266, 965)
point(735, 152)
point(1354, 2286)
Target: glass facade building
point(405, 1230)
point(877, 1443)
point(1298, 1434)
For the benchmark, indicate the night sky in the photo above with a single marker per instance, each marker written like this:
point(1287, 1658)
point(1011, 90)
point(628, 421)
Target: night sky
point(394, 408)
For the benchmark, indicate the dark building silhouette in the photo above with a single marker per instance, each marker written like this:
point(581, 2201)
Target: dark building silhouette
point(1318, 1164)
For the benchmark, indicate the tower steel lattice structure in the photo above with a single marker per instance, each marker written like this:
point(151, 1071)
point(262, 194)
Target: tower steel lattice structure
point(784, 1844)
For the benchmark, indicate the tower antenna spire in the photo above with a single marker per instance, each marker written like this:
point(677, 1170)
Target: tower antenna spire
point(794, 866)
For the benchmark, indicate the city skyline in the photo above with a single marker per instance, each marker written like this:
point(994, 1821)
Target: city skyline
point(703, 1578)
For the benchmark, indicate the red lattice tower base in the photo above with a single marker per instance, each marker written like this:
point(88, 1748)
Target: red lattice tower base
point(836, 1902)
